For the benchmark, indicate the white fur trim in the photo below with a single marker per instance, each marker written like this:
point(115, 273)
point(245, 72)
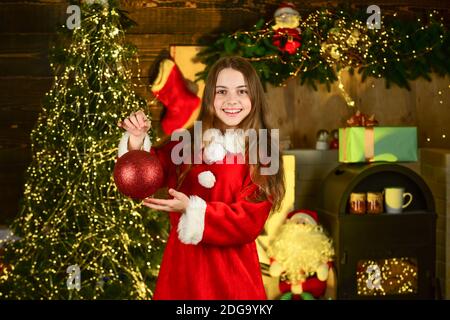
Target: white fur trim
point(322, 272)
point(192, 222)
point(303, 218)
point(207, 179)
point(234, 141)
point(102, 2)
point(213, 135)
point(218, 144)
point(276, 269)
point(147, 143)
point(123, 144)
point(286, 10)
point(297, 288)
point(214, 152)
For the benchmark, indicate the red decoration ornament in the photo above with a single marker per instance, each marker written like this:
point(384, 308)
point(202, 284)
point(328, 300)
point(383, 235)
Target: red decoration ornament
point(138, 174)
point(334, 144)
point(360, 119)
point(287, 40)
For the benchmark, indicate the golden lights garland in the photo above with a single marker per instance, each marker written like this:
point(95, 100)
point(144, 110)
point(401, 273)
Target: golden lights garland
point(398, 276)
point(333, 40)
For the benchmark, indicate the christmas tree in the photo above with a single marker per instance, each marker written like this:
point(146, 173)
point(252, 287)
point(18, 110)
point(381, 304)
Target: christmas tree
point(78, 238)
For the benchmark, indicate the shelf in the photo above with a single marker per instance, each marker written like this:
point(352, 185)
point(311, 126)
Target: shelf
point(404, 213)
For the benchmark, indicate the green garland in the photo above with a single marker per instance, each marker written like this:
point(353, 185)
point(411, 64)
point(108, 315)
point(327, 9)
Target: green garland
point(333, 39)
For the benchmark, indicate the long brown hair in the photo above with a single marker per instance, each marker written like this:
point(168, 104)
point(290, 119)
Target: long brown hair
point(271, 187)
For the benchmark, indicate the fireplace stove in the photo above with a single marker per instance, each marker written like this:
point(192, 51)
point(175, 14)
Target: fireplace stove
point(380, 256)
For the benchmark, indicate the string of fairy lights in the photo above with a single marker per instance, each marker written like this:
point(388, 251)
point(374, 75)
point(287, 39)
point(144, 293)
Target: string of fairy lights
point(72, 212)
point(332, 39)
point(397, 276)
point(335, 41)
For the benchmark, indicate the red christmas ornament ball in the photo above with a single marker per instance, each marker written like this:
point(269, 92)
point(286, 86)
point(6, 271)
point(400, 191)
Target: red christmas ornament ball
point(138, 174)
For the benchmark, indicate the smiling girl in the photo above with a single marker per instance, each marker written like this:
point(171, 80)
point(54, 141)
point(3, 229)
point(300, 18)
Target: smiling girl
point(219, 208)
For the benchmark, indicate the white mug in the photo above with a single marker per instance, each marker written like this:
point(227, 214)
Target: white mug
point(395, 198)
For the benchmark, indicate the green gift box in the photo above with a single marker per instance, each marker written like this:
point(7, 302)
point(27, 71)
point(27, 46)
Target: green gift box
point(371, 144)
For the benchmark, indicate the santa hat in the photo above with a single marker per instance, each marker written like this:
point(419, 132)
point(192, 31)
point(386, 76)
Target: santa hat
point(286, 8)
point(182, 105)
point(305, 215)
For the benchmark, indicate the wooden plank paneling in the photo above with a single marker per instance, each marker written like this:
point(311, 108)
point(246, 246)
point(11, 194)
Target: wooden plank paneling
point(25, 43)
point(9, 198)
point(13, 164)
point(432, 105)
point(255, 5)
point(20, 105)
point(161, 17)
point(25, 54)
point(200, 4)
point(23, 95)
point(13, 151)
point(435, 4)
point(151, 46)
point(262, 6)
point(44, 18)
point(299, 116)
point(11, 140)
point(31, 17)
point(190, 21)
point(26, 64)
point(35, 1)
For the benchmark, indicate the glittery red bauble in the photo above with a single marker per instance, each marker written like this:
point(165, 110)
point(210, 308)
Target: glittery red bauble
point(138, 174)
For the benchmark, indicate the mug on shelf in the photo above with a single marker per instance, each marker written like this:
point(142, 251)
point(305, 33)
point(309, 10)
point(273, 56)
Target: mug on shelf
point(357, 203)
point(374, 202)
point(394, 199)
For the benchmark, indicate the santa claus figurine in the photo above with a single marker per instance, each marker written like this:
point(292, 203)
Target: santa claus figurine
point(287, 32)
point(301, 255)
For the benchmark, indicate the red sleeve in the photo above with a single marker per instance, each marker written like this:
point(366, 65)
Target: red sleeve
point(236, 223)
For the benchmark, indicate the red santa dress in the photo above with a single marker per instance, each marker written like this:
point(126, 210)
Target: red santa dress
point(211, 252)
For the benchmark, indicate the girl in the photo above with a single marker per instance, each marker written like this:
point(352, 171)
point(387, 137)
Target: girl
point(219, 208)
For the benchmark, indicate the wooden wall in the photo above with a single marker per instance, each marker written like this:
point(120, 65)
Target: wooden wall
point(27, 28)
point(300, 112)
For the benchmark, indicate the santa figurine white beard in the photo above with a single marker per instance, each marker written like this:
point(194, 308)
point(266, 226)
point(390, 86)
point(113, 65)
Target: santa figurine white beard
point(300, 251)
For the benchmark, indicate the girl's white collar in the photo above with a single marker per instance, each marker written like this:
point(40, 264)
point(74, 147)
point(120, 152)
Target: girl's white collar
point(217, 144)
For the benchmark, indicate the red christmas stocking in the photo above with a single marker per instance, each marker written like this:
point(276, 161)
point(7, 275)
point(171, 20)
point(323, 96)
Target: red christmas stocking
point(182, 105)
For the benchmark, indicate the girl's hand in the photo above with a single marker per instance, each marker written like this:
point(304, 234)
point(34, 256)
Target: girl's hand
point(137, 126)
point(179, 203)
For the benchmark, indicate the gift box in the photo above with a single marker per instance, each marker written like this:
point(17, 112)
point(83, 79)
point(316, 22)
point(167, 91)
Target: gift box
point(371, 144)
